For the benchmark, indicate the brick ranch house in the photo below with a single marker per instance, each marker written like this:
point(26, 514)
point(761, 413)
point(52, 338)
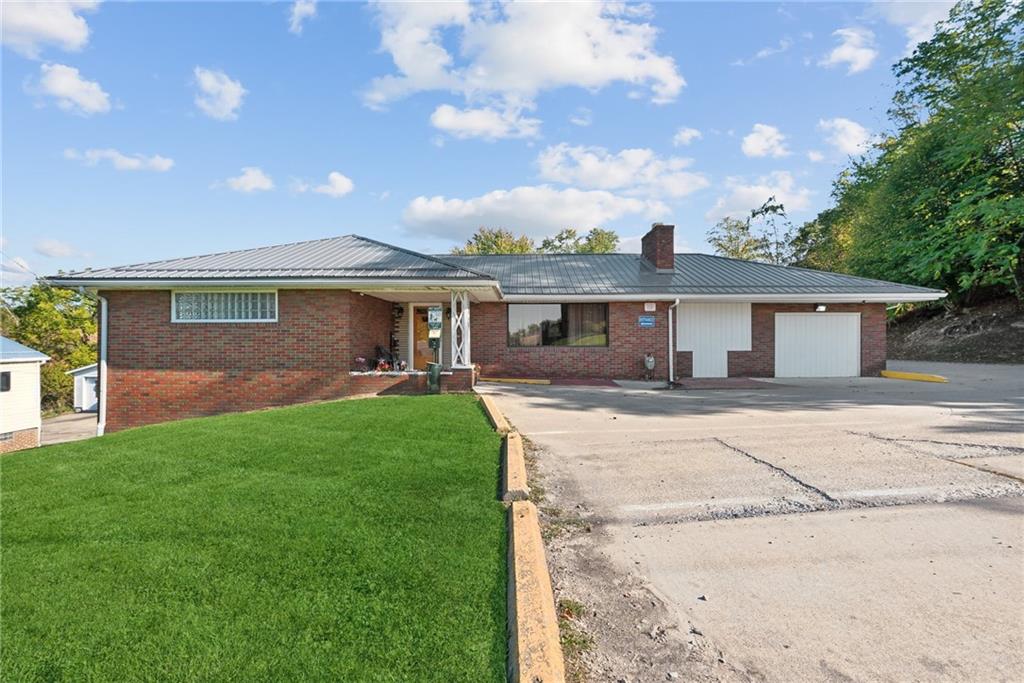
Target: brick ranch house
point(299, 322)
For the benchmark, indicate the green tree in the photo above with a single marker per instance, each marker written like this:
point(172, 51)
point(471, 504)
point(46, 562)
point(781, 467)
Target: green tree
point(569, 241)
point(496, 241)
point(732, 237)
point(766, 235)
point(58, 322)
point(940, 200)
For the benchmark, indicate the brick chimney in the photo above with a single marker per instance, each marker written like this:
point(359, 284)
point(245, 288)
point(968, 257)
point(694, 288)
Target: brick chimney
point(659, 247)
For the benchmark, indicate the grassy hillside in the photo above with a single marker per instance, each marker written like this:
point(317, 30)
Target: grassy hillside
point(356, 540)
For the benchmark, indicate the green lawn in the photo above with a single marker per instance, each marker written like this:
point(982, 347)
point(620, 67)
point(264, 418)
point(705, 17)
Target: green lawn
point(355, 540)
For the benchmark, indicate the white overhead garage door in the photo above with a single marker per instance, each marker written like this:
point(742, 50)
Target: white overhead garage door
point(817, 344)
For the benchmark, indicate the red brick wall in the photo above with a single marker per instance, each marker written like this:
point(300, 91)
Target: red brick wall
point(159, 370)
point(621, 359)
point(760, 360)
point(658, 246)
point(21, 439)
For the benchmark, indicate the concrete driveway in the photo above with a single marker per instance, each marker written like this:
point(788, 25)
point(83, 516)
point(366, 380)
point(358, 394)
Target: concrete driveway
point(69, 427)
point(863, 529)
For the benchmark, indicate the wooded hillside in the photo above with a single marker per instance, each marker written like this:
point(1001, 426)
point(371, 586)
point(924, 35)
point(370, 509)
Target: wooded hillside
point(939, 201)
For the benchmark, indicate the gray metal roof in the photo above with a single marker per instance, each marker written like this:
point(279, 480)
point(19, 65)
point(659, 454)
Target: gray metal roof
point(350, 256)
point(355, 257)
point(13, 352)
point(695, 274)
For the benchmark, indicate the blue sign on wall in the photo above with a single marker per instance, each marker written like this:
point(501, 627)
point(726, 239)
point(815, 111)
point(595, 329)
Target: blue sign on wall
point(646, 321)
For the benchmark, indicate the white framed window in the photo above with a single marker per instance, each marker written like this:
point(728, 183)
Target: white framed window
point(242, 306)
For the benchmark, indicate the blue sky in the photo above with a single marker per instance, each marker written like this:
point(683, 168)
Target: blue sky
point(141, 131)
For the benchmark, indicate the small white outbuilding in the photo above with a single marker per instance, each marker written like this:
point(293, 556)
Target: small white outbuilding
point(20, 417)
point(86, 398)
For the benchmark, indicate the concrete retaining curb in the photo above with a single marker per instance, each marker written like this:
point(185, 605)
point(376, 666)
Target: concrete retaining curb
point(914, 376)
point(513, 470)
point(535, 653)
point(495, 416)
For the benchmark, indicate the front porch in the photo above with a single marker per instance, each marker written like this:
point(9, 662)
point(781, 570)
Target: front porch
point(399, 366)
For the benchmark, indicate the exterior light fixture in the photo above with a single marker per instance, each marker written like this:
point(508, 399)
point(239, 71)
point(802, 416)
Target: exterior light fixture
point(820, 308)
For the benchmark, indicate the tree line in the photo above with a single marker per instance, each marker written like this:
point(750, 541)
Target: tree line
point(58, 322)
point(939, 200)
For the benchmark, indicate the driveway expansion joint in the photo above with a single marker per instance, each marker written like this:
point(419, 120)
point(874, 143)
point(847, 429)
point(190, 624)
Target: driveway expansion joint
point(907, 442)
point(778, 470)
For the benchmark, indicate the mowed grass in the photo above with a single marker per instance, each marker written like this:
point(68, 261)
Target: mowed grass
point(355, 540)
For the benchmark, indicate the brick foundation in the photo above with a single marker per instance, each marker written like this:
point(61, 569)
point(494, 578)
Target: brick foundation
point(760, 360)
point(623, 358)
point(20, 439)
point(456, 381)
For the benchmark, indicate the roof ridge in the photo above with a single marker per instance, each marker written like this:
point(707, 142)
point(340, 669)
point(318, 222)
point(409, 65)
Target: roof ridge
point(218, 253)
point(427, 257)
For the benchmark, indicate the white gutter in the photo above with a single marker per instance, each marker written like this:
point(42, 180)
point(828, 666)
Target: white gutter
point(101, 423)
point(671, 345)
point(852, 297)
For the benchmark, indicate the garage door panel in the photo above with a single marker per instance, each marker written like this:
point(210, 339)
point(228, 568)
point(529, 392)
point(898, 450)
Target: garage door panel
point(817, 344)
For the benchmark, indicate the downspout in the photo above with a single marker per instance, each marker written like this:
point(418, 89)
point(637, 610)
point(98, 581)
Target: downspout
point(101, 424)
point(671, 346)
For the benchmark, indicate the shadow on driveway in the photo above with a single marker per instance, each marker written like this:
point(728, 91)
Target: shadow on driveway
point(988, 398)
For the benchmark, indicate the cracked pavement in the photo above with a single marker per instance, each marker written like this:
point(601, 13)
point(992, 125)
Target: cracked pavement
point(860, 529)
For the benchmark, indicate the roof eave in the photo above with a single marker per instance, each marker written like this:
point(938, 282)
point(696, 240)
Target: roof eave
point(280, 283)
point(808, 298)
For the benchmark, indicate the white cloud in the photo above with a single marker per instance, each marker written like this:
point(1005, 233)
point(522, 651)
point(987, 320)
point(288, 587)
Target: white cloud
point(764, 140)
point(917, 19)
point(485, 123)
point(743, 196)
point(536, 211)
point(815, 156)
point(337, 185)
point(15, 270)
point(301, 11)
point(219, 96)
point(72, 92)
point(685, 136)
point(513, 52)
point(27, 26)
point(636, 171)
point(856, 49)
point(52, 248)
point(122, 162)
point(583, 117)
point(764, 53)
point(253, 179)
point(849, 137)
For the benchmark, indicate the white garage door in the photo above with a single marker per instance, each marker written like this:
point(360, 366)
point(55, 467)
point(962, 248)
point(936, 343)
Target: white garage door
point(817, 344)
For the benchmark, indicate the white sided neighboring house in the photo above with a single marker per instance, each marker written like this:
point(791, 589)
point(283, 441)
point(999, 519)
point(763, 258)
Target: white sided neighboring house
point(20, 417)
point(86, 396)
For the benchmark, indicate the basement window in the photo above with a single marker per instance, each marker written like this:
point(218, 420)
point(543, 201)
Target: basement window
point(557, 325)
point(224, 307)
point(7, 436)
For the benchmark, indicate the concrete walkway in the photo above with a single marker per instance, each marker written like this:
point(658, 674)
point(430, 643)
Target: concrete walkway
point(69, 427)
point(853, 529)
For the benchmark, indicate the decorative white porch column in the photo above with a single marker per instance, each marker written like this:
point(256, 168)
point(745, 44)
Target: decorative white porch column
point(460, 330)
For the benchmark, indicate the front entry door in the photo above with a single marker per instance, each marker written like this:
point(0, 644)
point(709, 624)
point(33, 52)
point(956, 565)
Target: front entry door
point(422, 353)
